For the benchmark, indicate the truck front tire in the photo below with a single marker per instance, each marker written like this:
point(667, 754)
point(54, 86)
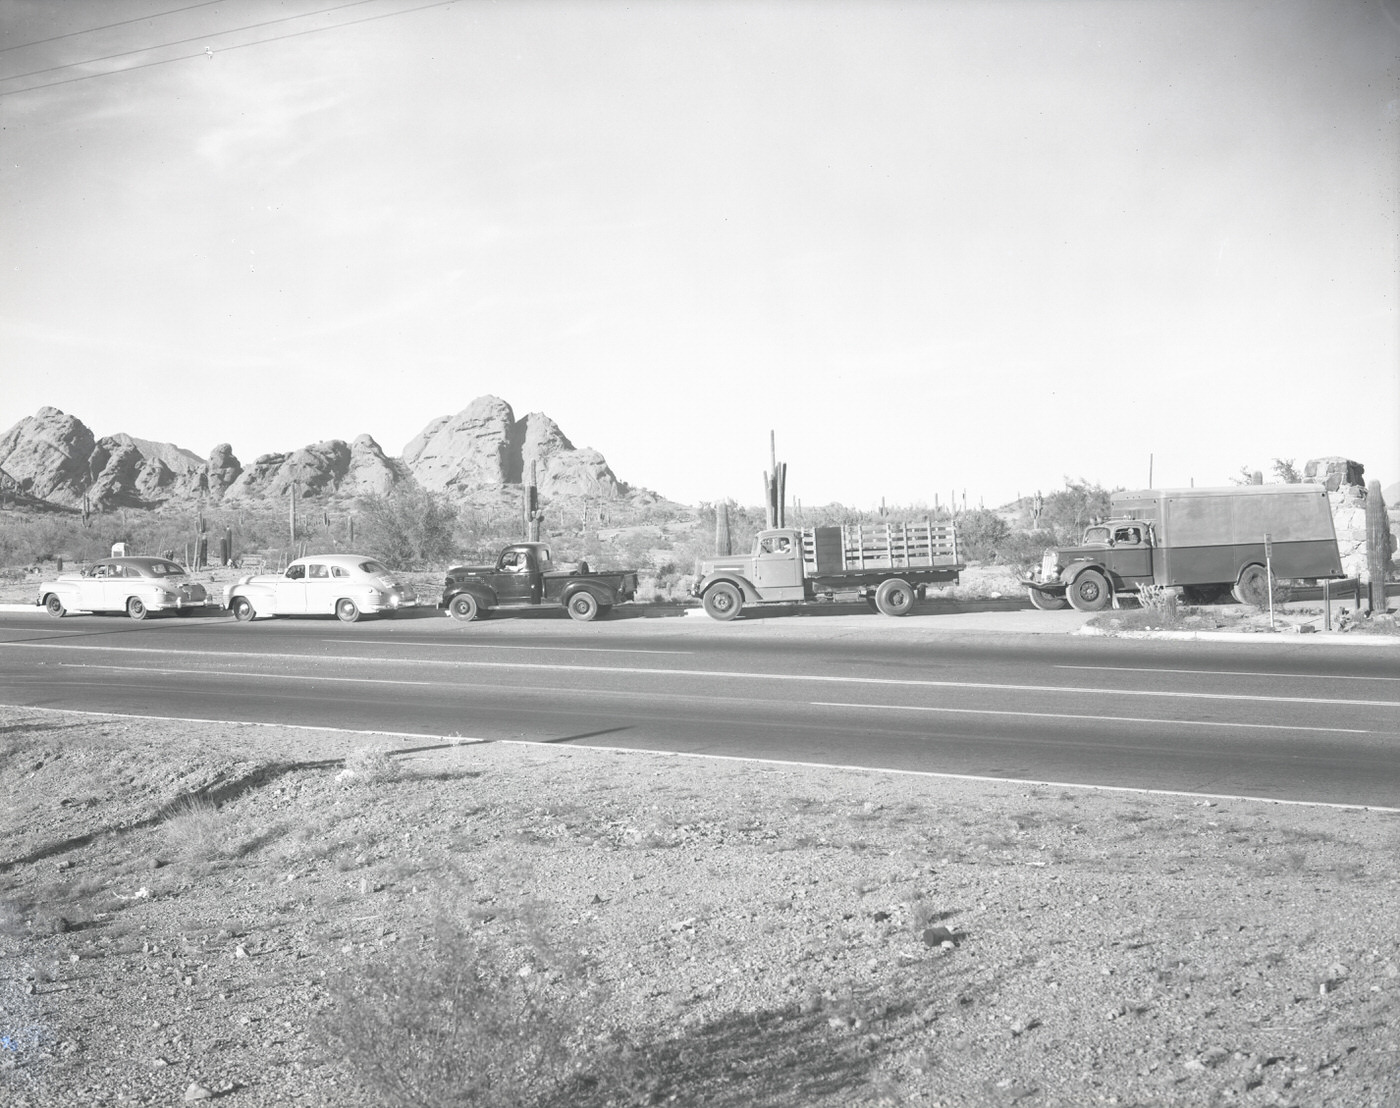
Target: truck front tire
point(894, 598)
point(464, 607)
point(1047, 602)
point(1089, 592)
point(722, 601)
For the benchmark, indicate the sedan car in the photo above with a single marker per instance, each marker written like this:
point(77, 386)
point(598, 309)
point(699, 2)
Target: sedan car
point(136, 586)
point(344, 585)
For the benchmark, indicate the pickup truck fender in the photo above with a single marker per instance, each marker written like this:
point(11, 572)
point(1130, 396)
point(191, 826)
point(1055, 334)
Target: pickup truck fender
point(482, 593)
point(743, 584)
point(601, 593)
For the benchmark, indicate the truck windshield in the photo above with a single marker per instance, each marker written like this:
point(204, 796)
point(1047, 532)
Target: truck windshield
point(1096, 534)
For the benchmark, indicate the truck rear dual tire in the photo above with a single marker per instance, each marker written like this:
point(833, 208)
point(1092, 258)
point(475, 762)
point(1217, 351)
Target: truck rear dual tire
point(1252, 587)
point(894, 598)
point(1089, 592)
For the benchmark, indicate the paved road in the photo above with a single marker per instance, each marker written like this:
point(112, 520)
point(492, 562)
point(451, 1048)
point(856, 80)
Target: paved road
point(1297, 722)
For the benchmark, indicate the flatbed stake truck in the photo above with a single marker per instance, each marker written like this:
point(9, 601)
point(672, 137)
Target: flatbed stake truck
point(888, 565)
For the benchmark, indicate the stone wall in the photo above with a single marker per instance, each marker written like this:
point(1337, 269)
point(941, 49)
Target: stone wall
point(1346, 493)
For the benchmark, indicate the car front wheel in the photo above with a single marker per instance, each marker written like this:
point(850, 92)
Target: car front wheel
point(243, 609)
point(54, 606)
point(346, 612)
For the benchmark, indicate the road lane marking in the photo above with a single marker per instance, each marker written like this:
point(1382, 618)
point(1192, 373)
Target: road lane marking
point(510, 646)
point(1234, 673)
point(1095, 719)
point(639, 671)
point(241, 673)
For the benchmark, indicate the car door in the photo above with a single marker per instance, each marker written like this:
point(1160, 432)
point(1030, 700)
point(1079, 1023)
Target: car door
point(289, 594)
point(93, 589)
point(320, 588)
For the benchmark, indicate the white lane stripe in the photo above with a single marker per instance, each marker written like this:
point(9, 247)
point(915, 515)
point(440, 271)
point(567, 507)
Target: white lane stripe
point(639, 671)
point(240, 673)
point(933, 774)
point(1235, 673)
point(511, 646)
point(1096, 719)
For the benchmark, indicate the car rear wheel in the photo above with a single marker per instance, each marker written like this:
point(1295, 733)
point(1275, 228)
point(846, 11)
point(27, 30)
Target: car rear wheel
point(464, 607)
point(722, 601)
point(1047, 602)
point(894, 598)
point(1089, 592)
point(135, 608)
point(54, 606)
point(583, 606)
point(346, 612)
point(243, 609)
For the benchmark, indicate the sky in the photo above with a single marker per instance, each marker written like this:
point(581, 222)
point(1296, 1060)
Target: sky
point(964, 248)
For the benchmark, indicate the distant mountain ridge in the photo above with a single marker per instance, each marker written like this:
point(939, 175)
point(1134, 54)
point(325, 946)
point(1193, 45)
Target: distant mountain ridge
point(53, 457)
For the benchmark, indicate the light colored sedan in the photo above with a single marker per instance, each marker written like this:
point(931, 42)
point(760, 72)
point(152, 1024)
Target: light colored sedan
point(136, 586)
point(345, 585)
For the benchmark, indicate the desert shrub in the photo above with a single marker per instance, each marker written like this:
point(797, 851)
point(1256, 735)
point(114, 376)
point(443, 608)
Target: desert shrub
point(408, 527)
point(980, 533)
point(484, 1015)
point(1022, 548)
point(1069, 509)
point(369, 765)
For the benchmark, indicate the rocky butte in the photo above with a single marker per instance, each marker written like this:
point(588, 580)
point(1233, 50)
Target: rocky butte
point(481, 453)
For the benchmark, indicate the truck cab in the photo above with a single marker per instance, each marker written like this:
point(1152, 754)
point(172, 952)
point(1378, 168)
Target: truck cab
point(1112, 556)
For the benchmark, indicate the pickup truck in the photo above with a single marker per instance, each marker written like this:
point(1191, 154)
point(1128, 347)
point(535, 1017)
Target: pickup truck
point(885, 564)
point(1210, 542)
point(524, 576)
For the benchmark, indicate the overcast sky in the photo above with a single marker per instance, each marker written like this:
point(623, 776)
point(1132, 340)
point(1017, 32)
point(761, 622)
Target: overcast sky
point(934, 246)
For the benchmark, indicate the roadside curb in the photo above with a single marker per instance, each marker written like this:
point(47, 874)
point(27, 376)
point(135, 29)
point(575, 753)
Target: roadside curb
point(1320, 637)
point(20, 608)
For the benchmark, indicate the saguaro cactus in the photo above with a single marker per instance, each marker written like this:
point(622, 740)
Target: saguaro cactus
point(723, 545)
point(1377, 544)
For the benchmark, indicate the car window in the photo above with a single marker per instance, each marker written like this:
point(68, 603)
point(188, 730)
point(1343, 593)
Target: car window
point(296, 573)
point(317, 571)
point(130, 571)
point(339, 571)
point(166, 569)
point(373, 568)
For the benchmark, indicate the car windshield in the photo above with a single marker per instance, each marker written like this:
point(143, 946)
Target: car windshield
point(374, 569)
point(1096, 534)
point(166, 569)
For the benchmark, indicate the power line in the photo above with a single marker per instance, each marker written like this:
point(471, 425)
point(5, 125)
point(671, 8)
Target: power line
point(110, 26)
point(183, 41)
point(225, 49)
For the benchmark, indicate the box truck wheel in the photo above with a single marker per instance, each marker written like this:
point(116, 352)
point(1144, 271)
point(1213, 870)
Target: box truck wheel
point(894, 598)
point(1252, 587)
point(1089, 592)
point(1047, 602)
point(722, 601)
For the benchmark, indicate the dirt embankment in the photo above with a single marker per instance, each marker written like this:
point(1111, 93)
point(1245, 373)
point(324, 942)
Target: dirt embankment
point(227, 912)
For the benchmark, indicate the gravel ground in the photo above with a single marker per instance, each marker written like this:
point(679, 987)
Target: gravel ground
point(272, 916)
